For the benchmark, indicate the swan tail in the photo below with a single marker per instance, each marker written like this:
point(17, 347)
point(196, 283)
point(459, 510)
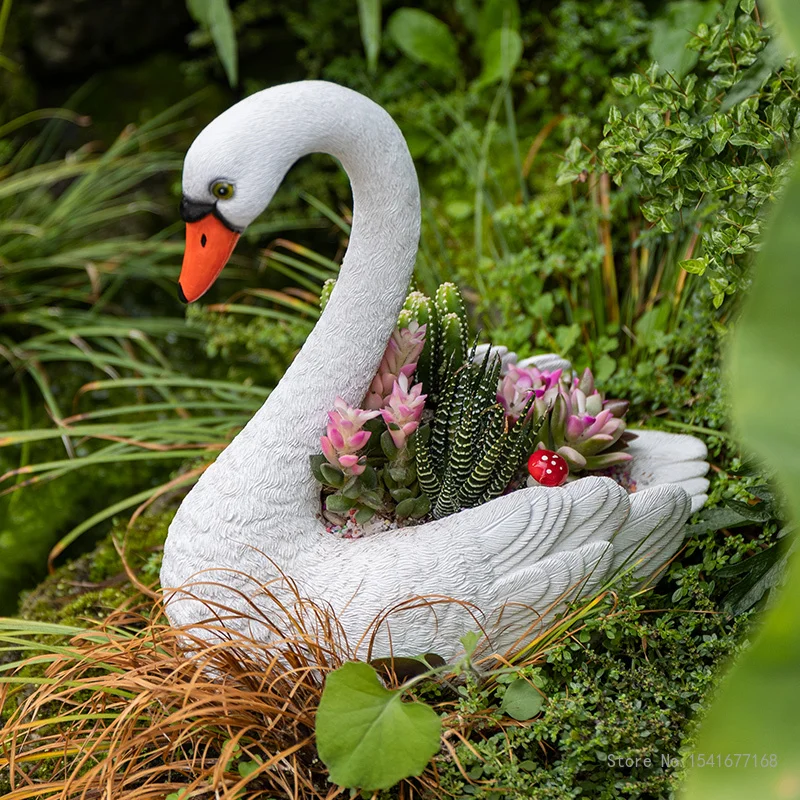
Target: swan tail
point(660, 457)
point(575, 540)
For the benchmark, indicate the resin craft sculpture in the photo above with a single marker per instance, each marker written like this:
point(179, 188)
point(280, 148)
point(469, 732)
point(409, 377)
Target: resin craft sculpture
point(253, 519)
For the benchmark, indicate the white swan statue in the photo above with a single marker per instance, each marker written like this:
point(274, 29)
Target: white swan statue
point(254, 516)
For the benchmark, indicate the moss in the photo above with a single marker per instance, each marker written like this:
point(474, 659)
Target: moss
point(96, 583)
point(622, 698)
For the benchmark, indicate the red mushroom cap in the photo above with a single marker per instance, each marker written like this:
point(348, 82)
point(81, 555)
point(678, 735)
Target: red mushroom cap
point(548, 468)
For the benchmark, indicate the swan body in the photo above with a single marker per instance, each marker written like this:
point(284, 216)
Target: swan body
point(247, 545)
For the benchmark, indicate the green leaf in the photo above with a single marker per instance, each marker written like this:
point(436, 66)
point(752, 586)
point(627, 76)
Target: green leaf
point(696, 266)
point(522, 700)
point(405, 508)
point(369, 17)
point(247, 768)
point(398, 495)
point(424, 39)
point(352, 488)
point(316, 464)
point(763, 572)
point(388, 445)
point(338, 504)
point(497, 14)
point(501, 54)
point(757, 709)
point(215, 17)
point(672, 32)
point(422, 507)
point(367, 736)
point(768, 60)
point(330, 475)
point(470, 642)
point(787, 13)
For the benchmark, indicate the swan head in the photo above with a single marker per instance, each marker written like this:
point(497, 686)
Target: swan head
point(230, 174)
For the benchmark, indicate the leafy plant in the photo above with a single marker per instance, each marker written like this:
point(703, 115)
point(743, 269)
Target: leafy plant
point(757, 708)
point(367, 736)
point(216, 21)
point(706, 151)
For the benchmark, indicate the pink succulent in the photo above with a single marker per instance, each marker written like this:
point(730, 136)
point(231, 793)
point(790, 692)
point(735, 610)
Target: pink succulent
point(403, 410)
point(346, 437)
point(400, 358)
point(584, 426)
point(519, 383)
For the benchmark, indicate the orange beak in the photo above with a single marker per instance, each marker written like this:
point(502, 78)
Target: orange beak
point(209, 244)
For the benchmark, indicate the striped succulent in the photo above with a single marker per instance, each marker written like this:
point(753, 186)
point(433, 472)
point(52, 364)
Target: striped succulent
point(470, 452)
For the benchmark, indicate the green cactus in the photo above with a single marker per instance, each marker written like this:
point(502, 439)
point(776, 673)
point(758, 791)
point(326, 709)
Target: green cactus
point(325, 294)
point(472, 453)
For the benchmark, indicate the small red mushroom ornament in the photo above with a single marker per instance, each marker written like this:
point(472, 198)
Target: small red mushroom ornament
point(548, 468)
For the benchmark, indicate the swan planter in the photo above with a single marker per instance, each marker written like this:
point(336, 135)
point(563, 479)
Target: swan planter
point(285, 520)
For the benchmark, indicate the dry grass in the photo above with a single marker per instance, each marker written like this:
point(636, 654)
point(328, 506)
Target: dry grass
point(135, 709)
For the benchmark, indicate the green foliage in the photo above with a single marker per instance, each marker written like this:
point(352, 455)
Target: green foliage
point(367, 736)
point(369, 17)
point(622, 687)
point(757, 708)
point(215, 19)
point(708, 150)
point(521, 700)
point(424, 39)
point(671, 33)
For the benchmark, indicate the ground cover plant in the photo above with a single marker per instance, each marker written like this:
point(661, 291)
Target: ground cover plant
point(588, 202)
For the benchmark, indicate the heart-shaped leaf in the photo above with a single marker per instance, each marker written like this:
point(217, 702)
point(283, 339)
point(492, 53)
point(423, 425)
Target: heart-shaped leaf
point(521, 701)
point(367, 736)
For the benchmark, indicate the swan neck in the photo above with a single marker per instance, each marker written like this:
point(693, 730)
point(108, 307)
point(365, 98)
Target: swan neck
point(343, 352)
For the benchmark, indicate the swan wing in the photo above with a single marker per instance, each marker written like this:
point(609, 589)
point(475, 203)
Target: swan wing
point(536, 548)
point(546, 546)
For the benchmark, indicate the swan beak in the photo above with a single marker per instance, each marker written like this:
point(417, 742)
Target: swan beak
point(209, 244)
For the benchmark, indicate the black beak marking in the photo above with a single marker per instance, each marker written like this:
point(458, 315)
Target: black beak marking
point(181, 295)
point(192, 211)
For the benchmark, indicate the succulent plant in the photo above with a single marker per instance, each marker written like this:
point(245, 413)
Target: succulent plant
point(584, 428)
point(520, 384)
point(403, 411)
point(445, 318)
point(460, 434)
point(346, 437)
point(399, 360)
point(470, 452)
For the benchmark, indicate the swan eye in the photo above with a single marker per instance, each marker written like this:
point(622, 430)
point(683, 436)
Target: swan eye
point(222, 190)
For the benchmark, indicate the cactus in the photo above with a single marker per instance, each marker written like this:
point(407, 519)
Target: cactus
point(325, 294)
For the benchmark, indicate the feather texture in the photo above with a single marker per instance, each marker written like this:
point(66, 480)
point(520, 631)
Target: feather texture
point(252, 521)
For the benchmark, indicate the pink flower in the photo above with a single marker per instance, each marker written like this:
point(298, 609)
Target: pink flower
point(400, 358)
point(346, 437)
point(403, 410)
